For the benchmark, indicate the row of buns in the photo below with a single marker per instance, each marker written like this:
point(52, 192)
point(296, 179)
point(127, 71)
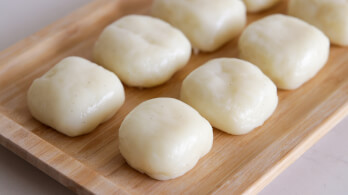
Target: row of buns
point(165, 137)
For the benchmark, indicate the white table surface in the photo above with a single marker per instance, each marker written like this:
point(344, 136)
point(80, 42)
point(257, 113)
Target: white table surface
point(321, 170)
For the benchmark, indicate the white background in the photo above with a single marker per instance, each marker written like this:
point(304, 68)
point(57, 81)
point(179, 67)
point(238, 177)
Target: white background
point(321, 170)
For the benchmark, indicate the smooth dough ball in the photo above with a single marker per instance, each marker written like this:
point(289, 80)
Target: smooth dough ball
point(331, 16)
point(232, 94)
point(287, 50)
point(143, 51)
point(259, 5)
point(164, 138)
point(208, 24)
point(75, 96)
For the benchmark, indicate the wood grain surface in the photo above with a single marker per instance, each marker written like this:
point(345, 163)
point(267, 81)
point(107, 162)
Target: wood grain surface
point(92, 163)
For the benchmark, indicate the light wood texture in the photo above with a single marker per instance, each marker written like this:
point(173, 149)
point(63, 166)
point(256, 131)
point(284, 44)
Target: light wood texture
point(93, 164)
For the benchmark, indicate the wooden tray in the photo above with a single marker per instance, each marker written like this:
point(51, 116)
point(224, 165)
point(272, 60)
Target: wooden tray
point(93, 164)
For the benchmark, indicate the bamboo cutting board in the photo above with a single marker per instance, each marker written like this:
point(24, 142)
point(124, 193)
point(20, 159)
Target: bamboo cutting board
point(92, 163)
